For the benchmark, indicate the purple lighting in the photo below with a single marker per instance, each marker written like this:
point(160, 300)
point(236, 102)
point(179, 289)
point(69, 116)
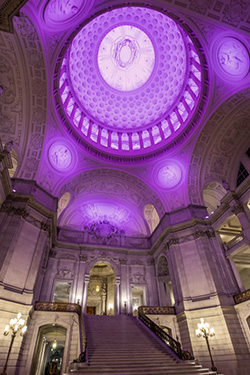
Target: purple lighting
point(60, 156)
point(232, 58)
point(130, 81)
point(61, 10)
point(169, 175)
point(126, 58)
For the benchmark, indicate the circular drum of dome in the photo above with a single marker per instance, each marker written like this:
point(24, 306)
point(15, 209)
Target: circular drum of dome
point(130, 82)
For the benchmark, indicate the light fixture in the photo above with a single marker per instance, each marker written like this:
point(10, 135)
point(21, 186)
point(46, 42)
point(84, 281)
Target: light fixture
point(203, 330)
point(54, 345)
point(97, 288)
point(16, 325)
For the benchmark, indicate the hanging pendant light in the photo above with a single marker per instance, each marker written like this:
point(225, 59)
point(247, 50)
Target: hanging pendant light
point(54, 345)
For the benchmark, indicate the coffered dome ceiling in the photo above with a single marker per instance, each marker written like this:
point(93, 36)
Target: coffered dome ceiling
point(115, 108)
point(130, 82)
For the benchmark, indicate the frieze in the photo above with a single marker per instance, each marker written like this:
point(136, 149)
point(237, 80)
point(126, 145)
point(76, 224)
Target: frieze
point(21, 211)
point(242, 297)
point(198, 233)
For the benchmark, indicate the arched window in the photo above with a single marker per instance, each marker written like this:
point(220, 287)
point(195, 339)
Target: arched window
point(212, 195)
point(151, 217)
point(62, 204)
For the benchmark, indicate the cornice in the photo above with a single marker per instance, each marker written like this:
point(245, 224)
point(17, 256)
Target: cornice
point(9, 9)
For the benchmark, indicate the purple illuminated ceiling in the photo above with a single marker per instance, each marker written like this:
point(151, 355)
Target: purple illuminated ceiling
point(130, 81)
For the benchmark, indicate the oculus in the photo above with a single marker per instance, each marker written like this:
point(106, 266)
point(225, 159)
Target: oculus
point(126, 58)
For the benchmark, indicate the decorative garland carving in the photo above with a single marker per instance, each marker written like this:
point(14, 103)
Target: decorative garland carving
point(242, 297)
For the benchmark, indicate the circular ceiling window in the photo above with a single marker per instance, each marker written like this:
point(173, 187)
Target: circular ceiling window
point(130, 81)
point(126, 58)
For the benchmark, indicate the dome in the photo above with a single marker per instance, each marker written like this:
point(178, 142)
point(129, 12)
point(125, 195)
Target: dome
point(130, 82)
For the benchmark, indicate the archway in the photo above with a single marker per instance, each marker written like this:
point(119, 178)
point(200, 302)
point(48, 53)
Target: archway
point(101, 290)
point(48, 356)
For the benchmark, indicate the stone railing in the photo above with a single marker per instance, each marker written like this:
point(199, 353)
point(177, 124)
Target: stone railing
point(89, 237)
point(173, 344)
point(158, 310)
point(68, 307)
point(242, 297)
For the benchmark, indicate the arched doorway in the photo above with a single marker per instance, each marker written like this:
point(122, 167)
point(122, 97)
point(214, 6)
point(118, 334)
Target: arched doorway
point(48, 356)
point(101, 290)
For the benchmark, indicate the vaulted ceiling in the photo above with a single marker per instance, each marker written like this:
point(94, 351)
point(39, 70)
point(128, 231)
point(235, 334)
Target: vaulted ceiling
point(114, 143)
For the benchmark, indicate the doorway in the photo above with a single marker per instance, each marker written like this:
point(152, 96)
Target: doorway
point(138, 298)
point(101, 290)
point(48, 356)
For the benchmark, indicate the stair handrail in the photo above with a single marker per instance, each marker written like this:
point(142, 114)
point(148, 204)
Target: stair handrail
point(173, 344)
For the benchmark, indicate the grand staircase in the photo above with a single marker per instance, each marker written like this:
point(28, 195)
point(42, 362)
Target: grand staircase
point(122, 345)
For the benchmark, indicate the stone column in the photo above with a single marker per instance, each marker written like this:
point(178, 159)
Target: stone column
point(80, 279)
point(117, 295)
point(85, 293)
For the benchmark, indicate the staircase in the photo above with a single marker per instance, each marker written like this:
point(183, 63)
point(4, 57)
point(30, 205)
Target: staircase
point(122, 345)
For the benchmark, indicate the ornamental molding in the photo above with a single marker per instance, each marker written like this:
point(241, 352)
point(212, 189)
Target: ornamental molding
point(197, 234)
point(83, 258)
point(23, 213)
point(137, 279)
point(35, 65)
point(9, 9)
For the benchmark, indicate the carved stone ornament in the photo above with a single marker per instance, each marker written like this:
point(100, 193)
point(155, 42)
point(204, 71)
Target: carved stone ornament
point(64, 273)
point(104, 229)
point(83, 258)
point(137, 279)
point(162, 269)
point(52, 253)
point(123, 261)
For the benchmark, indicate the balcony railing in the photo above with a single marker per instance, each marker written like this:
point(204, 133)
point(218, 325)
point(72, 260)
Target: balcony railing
point(158, 310)
point(242, 297)
point(173, 344)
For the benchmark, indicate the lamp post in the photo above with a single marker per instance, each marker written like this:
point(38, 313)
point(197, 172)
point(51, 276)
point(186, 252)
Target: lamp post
point(16, 325)
point(203, 330)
